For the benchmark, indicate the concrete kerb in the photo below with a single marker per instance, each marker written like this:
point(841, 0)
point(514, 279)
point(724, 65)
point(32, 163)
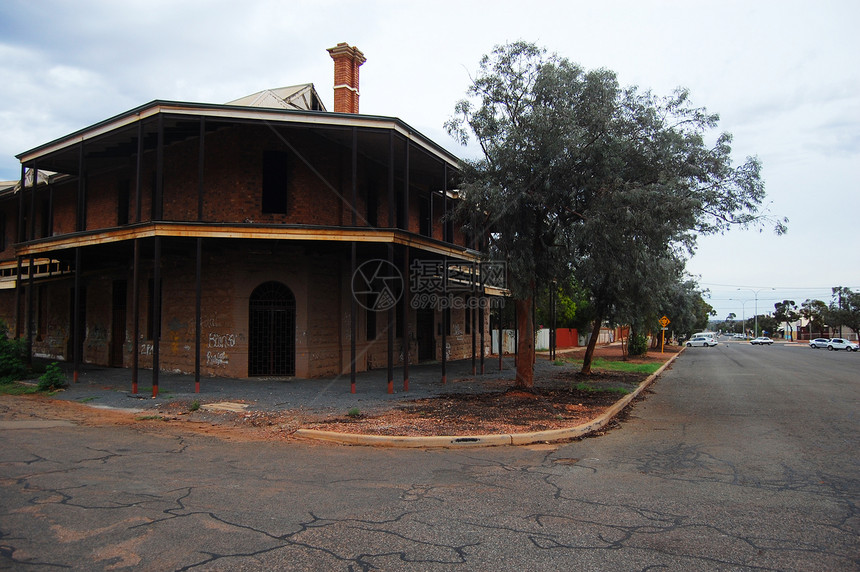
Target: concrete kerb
point(451, 441)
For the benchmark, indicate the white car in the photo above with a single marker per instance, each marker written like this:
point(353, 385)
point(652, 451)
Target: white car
point(701, 341)
point(761, 341)
point(841, 344)
point(819, 343)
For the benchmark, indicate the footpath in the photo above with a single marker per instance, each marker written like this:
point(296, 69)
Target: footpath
point(111, 389)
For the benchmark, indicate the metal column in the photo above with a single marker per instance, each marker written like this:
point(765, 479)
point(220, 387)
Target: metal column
point(353, 322)
point(198, 293)
point(392, 217)
point(135, 310)
point(156, 313)
point(76, 336)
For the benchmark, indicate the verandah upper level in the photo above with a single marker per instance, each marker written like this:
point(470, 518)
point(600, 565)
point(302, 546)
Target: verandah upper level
point(232, 165)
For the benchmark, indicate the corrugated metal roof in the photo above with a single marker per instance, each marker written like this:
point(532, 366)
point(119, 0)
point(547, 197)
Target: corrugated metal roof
point(303, 97)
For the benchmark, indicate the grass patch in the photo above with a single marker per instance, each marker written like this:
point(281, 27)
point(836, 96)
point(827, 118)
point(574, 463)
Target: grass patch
point(149, 418)
point(195, 405)
point(586, 388)
point(609, 365)
point(88, 399)
point(354, 412)
point(14, 388)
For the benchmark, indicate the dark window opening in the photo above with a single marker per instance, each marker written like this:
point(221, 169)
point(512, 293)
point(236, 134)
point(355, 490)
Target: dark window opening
point(449, 230)
point(275, 179)
point(3, 231)
point(424, 222)
point(372, 207)
point(45, 219)
point(122, 192)
point(153, 207)
point(401, 214)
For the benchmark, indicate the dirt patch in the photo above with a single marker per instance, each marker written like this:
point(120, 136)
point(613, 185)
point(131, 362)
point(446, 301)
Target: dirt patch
point(561, 398)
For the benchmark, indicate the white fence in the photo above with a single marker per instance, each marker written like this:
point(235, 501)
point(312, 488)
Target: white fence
point(542, 341)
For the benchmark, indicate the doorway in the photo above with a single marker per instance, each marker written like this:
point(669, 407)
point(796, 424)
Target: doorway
point(271, 331)
point(425, 330)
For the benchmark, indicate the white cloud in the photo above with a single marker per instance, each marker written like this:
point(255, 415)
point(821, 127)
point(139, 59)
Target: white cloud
point(782, 75)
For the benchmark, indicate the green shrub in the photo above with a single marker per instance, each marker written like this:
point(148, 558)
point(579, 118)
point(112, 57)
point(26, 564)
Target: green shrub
point(12, 366)
point(52, 379)
point(354, 412)
point(637, 345)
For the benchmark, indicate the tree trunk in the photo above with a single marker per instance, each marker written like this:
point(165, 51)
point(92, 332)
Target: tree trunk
point(525, 344)
point(592, 342)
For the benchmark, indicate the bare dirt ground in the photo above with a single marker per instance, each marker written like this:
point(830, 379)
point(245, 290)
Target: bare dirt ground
point(554, 403)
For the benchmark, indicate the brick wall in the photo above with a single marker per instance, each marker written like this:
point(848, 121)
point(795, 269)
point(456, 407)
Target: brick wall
point(318, 276)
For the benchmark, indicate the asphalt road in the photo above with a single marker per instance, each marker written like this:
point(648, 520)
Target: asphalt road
point(741, 458)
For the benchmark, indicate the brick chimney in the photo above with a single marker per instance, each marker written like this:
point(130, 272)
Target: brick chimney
point(346, 63)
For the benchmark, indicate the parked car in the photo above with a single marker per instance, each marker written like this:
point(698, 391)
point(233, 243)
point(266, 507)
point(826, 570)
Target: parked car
point(841, 344)
point(761, 341)
point(819, 343)
point(739, 337)
point(701, 341)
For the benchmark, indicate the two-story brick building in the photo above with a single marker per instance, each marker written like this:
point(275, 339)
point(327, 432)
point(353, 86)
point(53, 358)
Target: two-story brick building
point(227, 239)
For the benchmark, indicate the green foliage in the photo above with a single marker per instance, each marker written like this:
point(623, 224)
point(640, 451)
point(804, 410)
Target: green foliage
point(844, 309)
point(582, 176)
point(12, 353)
point(637, 345)
point(767, 325)
point(815, 312)
point(195, 405)
point(354, 412)
point(53, 378)
point(786, 311)
point(586, 388)
point(573, 306)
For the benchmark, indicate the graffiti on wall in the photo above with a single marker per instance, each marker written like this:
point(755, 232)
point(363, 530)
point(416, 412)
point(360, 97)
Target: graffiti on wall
point(217, 359)
point(217, 340)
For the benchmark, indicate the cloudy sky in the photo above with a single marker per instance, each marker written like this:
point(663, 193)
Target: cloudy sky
point(783, 75)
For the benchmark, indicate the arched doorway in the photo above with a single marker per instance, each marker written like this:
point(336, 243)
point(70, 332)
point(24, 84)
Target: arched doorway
point(272, 330)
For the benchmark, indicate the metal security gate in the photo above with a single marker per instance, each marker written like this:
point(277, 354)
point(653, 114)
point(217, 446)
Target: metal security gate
point(272, 326)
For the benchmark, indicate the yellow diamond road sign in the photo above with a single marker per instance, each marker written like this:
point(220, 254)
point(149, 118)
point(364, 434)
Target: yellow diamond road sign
point(664, 321)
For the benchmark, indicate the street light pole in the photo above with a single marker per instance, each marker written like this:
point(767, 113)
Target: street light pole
point(756, 305)
point(744, 315)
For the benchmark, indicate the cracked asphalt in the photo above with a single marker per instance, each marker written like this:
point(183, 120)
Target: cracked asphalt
point(740, 458)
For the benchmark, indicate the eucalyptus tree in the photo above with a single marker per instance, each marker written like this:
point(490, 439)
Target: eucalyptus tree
point(844, 308)
point(578, 174)
point(786, 311)
point(815, 313)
